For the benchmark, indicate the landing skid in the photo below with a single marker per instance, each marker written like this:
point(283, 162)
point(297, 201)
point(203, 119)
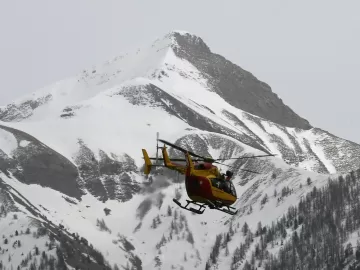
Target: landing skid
point(212, 205)
point(222, 208)
point(197, 211)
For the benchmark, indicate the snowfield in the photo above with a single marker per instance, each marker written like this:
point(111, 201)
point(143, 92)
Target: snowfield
point(94, 126)
point(94, 106)
point(135, 219)
point(8, 142)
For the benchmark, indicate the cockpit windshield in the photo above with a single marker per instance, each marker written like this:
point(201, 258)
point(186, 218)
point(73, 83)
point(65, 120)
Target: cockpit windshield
point(232, 189)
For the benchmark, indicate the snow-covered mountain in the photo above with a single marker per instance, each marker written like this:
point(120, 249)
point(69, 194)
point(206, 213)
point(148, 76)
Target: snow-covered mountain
point(70, 159)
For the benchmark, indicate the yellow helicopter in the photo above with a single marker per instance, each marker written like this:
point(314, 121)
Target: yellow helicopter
point(204, 183)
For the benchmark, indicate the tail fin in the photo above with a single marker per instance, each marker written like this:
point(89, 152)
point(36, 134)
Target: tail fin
point(148, 163)
point(167, 161)
point(190, 164)
point(170, 165)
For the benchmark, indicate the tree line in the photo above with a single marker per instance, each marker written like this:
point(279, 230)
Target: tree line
point(317, 230)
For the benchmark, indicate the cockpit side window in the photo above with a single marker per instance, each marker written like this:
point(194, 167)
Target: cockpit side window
point(200, 167)
point(216, 183)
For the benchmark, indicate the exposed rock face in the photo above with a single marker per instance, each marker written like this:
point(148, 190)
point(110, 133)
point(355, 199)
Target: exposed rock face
point(35, 163)
point(156, 97)
point(345, 155)
point(17, 112)
point(237, 86)
point(89, 171)
point(32, 162)
point(107, 178)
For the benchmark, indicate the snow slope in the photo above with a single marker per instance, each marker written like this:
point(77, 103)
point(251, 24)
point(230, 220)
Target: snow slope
point(110, 105)
point(180, 235)
point(90, 129)
point(7, 142)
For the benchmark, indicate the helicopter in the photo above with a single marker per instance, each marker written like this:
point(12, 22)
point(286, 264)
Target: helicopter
point(205, 184)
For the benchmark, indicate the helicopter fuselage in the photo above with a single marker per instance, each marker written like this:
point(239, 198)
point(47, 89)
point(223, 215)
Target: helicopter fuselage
point(210, 188)
point(205, 184)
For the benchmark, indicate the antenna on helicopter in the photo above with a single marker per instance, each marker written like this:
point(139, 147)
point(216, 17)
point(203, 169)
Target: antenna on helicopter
point(157, 147)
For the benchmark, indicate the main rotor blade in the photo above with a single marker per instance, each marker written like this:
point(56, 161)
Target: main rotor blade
point(224, 164)
point(235, 167)
point(171, 159)
point(270, 155)
point(184, 150)
point(174, 159)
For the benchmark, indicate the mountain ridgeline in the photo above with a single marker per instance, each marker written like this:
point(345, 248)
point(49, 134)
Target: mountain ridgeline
point(72, 183)
point(237, 86)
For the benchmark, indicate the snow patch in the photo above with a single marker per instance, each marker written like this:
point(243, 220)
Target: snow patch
point(319, 151)
point(24, 143)
point(273, 129)
point(8, 142)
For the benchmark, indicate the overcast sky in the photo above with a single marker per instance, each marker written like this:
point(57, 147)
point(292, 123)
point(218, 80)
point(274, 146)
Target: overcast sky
point(307, 51)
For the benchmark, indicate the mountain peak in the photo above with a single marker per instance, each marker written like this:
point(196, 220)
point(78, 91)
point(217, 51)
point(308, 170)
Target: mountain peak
point(181, 32)
point(186, 40)
point(179, 53)
point(242, 89)
point(181, 40)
